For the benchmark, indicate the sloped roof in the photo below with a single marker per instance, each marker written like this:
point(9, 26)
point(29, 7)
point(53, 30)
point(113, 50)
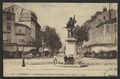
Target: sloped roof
point(114, 20)
point(16, 24)
point(8, 12)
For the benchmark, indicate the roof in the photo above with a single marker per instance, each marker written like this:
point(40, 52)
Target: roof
point(8, 12)
point(16, 6)
point(10, 44)
point(38, 24)
point(22, 8)
point(70, 39)
point(22, 25)
point(114, 20)
point(103, 44)
point(97, 14)
point(104, 49)
point(33, 13)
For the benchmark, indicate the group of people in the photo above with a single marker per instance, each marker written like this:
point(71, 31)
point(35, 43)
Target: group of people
point(69, 59)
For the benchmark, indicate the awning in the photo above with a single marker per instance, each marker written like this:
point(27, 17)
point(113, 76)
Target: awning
point(10, 48)
point(26, 49)
point(29, 55)
point(104, 49)
point(96, 49)
point(41, 49)
point(46, 49)
point(110, 49)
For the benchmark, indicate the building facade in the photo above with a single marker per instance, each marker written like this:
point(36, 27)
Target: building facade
point(9, 40)
point(22, 33)
point(20, 25)
point(103, 31)
point(26, 17)
point(103, 28)
point(8, 27)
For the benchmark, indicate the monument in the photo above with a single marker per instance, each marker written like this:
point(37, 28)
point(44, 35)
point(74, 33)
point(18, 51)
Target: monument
point(70, 41)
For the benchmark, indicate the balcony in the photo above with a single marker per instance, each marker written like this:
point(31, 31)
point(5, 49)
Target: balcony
point(23, 34)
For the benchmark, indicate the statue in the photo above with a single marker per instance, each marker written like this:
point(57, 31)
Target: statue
point(70, 26)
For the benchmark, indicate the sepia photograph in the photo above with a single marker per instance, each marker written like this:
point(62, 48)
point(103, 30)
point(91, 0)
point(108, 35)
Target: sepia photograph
point(60, 39)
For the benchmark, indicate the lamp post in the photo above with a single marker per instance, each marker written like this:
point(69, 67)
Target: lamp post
point(23, 57)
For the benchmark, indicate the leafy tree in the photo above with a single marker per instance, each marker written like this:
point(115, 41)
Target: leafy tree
point(52, 39)
point(81, 34)
point(37, 43)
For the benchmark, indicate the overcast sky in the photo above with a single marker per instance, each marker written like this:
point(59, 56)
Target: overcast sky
point(57, 14)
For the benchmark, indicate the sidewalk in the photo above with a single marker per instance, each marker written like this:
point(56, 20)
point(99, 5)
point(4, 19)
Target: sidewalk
point(36, 67)
point(88, 61)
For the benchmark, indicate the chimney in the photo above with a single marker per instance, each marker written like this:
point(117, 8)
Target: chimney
point(104, 9)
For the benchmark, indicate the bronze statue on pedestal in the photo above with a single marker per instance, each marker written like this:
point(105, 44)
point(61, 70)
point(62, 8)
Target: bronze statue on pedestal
point(70, 26)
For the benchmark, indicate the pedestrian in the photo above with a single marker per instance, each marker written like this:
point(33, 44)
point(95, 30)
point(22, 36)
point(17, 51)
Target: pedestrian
point(72, 59)
point(65, 59)
point(55, 60)
point(38, 55)
point(69, 60)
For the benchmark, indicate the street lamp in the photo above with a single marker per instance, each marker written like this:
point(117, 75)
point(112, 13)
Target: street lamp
point(23, 57)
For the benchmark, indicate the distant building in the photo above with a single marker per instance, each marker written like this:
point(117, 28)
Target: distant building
point(103, 30)
point(26, 17)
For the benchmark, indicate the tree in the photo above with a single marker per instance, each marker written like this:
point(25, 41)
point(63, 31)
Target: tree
point(81, 34)
point(52, 39)
point(37, 43)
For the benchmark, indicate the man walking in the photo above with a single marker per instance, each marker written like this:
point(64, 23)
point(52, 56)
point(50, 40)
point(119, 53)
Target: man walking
point(55, 60)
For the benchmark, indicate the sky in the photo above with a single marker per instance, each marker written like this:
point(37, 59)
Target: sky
point(57, 14)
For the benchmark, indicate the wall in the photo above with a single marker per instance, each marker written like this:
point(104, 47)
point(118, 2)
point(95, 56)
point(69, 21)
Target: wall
point(27, 17)
point(33, 33)
point(111, 35)
point(22, 15)
point(28, 35)
point(103, 17)
point(22, 28)
point(99, 35)
point(96, 35)
point(9, 34)
point(23, 33)
point(20, 37)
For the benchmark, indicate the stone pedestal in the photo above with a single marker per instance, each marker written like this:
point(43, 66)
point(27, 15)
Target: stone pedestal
point(70, 46)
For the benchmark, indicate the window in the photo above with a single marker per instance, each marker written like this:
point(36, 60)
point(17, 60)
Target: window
point(8, 40)
point(104, 18)
point(12, 9)
point(20, 31)
point(108, 28)
point(8, 26)
point(9, 17)
point(115, 40)
point(115, 27)
point(9, 10)
point(21, 40)
point(100, 21)
point(24, 16)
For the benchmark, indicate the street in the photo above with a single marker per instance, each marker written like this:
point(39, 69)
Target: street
point(82, 38)
point(45, 67)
